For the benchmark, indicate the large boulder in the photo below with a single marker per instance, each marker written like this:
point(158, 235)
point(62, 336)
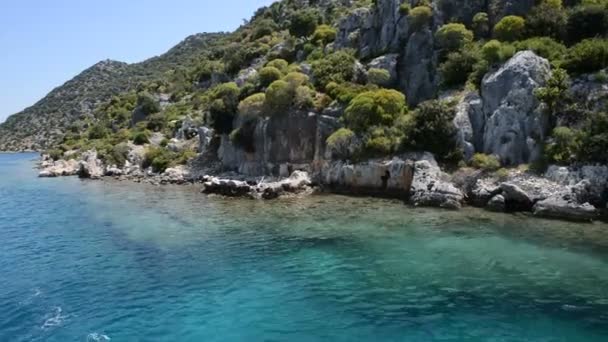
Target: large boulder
point(515, 126)
point(388, 63)
point(90, 166)
point(430, 187)
point(565, 207)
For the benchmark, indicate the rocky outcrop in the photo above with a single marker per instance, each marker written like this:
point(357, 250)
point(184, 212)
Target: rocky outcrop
point(565, 207)
point(417, 75)
point(297, 183)
point(90, 166)
point(296, 139)
point(389, 63)
point(59, 168)
point(431, 187)
point(515, 126)
point(469, 121)
point(373, 31)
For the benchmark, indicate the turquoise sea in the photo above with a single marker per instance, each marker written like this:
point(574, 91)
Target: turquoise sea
point(116, 261)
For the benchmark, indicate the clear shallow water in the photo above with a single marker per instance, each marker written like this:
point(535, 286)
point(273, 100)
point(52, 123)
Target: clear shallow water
point(92, 261)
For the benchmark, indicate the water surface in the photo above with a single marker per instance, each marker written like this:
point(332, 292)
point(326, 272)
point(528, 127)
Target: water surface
point(101, 260)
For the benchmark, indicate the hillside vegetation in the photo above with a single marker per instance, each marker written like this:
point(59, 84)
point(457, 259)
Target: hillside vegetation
point(381, 65)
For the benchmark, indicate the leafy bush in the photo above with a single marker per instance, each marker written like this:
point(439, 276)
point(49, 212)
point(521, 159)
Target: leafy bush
point(594, 142)
point(346, 92)
point(55, 154)
point(481, 25)
point(544, 47)
point(379, 77)
point(510, 28)
point(453, 36)
point(147, 104)
point(253, 106)
point(420, 17)
point(296, 79)
point(404, 9)
point(263, 28)
point(324, 34)
point(564, 146)
point(587, 22)
point(141, 137)
point(374, 108)
point(342, 144)
point(97, 131)
point(433, 130)
point(587, 56)
point(224, 105)
point(485, 162)
point(547, 19)
point(158, 158)
point(303, 97)
point(268, 75)
point(554, 90)
point(459, 65)
point(279, 96)
point(304, 23)
point(280, 64)
point(495, 52)
point(336, 67)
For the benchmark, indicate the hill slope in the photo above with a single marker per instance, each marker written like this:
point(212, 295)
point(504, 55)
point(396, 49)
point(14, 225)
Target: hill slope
point(39, 126)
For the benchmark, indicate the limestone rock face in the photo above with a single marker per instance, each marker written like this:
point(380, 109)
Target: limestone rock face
point(417, 76)
point(595, 175)
point(515, 126)
point(296, 138)
point(565, 207)
point(90, 166)
point(372, 31)
point(469, 121)
point(388, 177)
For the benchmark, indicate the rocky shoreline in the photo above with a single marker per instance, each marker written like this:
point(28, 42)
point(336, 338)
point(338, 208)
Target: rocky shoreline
point(565, 193)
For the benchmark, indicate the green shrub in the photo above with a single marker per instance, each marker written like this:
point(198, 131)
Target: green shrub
point(374, 108)
point(495, 52)
point(420, 17)
point(485, 162)
point(303, 23)
point(296, 79)
point(453, 36)
point(554, 90)
point(336, 67)
point(564, 147)
point(268, 75)
point(381, 142)
point(510, 28)
point(594, 142)
point(346, 92)
point(97, 131)
point(587, 22)
point(55, 154)
point(404, 9)
point(379, 77)
point(303, 98)
point(324, 34)
point(158, 158)
point(544, 47)
point(224, 105)
point(263, 28)
point(141, 137)
point(481, 25)
point(117, 155)
point(459, 65)
point(547, 19)
point(280, 64)
point(147, 103)
point(253, 106)
point(342, 143)
point(279, 97)
point(433, 130)
point(587, 56)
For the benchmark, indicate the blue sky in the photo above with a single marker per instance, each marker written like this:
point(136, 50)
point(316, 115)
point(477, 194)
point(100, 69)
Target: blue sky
point(44, 43)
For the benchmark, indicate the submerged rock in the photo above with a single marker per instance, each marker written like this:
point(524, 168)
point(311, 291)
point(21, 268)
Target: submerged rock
point(429, 187)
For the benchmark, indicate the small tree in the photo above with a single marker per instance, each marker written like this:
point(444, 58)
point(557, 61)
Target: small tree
point(374, 108)
point(510, 28)
point(554, 90)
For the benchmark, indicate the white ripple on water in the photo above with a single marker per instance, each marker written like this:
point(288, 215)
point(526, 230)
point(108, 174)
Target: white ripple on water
point(54, 319)
point(97, 337)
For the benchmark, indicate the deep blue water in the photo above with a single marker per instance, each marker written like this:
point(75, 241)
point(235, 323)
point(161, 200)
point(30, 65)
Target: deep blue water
point(101, 260)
